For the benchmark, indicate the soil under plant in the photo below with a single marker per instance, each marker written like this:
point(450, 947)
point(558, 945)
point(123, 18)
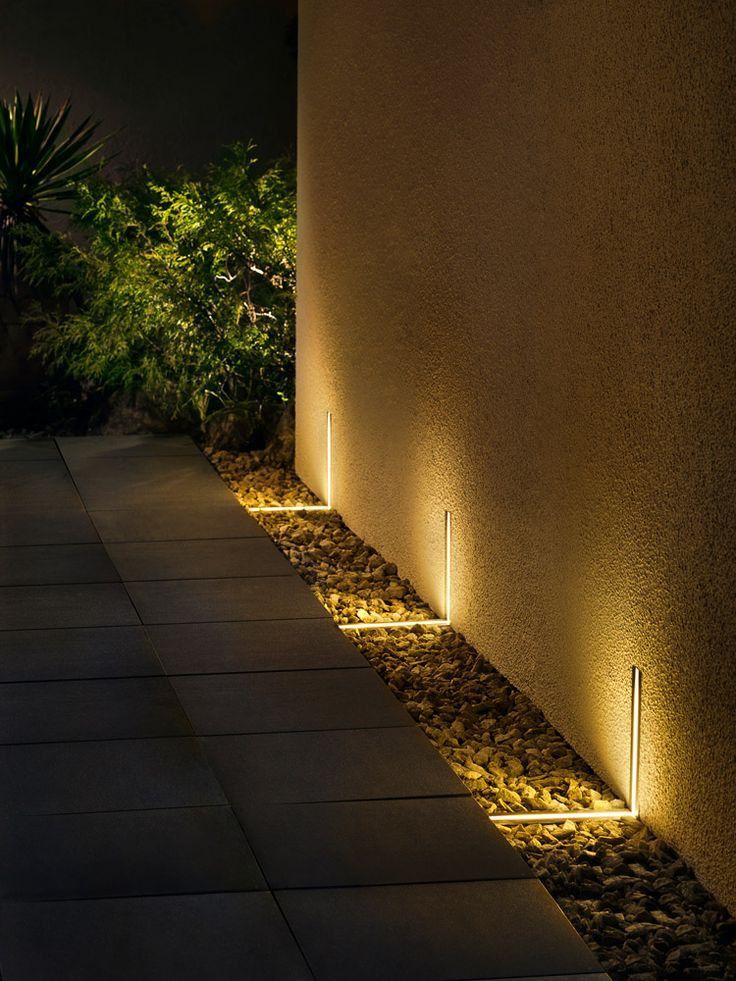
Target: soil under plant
point(636, 903)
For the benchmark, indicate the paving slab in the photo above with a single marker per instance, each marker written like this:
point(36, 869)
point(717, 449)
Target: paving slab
point(114, 775)
point(378, 842)
point(223, 937)
point(503, 928)
point(219, 559)
point(29, 484)
point(125, 853)
point(217, 600)
point(81, 605)
point(103, 448)
point(357, 764)
point(140, 481)
point(255, 645)
point(46, 565)
point(44, 526)
point(278, 701)
point(28, 449)
point(87, 652)
point(119, 708)
point(176, 523)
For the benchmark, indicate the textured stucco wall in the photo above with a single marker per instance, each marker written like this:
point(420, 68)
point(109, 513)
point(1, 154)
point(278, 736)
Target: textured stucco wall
point(516, 295)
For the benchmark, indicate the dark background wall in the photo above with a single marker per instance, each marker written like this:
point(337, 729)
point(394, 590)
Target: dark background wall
point(177, 78)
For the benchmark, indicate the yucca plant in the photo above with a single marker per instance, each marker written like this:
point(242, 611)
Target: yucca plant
point(40, 166)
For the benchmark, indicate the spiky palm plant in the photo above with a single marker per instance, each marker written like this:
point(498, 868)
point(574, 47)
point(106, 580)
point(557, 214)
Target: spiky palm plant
point(40, 166)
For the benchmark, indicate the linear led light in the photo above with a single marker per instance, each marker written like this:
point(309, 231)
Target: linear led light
point(292, 507)
point(632, 811)
point(381, 625)
point(309, 507)
point(447, 591)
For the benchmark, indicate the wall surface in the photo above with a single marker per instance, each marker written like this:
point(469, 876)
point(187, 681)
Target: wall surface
point(175, 79)
point(516, 295)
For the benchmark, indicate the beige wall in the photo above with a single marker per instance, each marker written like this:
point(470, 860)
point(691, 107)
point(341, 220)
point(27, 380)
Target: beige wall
point(516, 295)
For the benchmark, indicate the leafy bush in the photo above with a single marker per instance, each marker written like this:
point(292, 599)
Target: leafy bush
point(183, 292)
point(40, 165)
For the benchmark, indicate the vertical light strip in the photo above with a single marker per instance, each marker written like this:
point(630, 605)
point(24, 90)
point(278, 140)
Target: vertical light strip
point(329, 460)
point(448, 566)
point(635, 736)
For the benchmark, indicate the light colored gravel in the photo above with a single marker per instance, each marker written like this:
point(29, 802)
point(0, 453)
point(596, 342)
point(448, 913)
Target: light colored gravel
point(636, 903)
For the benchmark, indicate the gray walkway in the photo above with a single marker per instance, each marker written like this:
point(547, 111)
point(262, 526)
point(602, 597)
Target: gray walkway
point(200, 776)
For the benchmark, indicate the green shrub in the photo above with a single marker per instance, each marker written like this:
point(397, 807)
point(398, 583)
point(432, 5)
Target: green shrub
point(183, 292)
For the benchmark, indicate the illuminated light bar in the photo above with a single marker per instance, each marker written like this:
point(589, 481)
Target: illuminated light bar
point(291, 507)
point(437, 622)
point(382, 625)
point(307, 507)
point(632, 811)
point(329, 461)
point(635, 749)
point(559, 817)
point(448, 565)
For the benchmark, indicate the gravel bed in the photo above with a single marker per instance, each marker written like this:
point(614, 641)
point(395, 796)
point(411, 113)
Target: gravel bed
point(636, 903)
